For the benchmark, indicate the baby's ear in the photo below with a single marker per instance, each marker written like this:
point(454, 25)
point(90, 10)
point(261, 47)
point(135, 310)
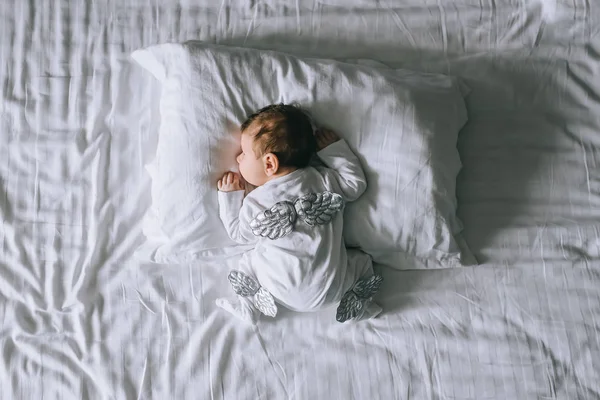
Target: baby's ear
point(271, 164)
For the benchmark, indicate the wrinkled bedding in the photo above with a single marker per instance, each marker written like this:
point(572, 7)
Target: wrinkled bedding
point(80, 318)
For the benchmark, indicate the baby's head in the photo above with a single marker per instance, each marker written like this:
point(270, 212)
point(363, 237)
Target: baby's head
point(276, 140)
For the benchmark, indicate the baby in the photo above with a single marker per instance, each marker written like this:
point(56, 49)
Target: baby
point(294, 218)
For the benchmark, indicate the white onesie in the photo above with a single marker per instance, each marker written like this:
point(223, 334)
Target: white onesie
point(300, 266)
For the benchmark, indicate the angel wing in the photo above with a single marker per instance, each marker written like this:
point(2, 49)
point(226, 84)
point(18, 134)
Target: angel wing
point(318, 208)
point(242, 284)
point(246, 286)
point(365, 288)
point(264, 301)
point(355, 299)
point(349, 307)
point(275, 222)
point(279, 220)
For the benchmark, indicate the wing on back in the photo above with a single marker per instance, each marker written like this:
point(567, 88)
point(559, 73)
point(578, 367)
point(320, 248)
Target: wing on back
point(318, 208)
point(275, 222)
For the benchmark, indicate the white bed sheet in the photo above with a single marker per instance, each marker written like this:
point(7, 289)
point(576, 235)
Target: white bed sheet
point(80, 319)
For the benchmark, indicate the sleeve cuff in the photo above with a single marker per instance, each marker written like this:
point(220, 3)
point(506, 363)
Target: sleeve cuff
point(230, 197)
point(333, 149)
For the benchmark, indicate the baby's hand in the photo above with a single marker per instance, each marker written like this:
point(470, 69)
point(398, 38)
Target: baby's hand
point(230, 182)
point(325, 137)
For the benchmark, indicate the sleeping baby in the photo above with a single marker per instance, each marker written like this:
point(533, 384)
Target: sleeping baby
point(294, 220)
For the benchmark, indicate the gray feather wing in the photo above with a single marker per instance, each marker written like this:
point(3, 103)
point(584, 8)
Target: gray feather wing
point(318, 208)
point(243, 285)
point(349, 307)
point(264, 301)
point(365, 288)
point(276, 222)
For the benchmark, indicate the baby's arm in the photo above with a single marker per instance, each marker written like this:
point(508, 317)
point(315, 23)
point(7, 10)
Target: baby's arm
point(233, 212)
point(344, 166)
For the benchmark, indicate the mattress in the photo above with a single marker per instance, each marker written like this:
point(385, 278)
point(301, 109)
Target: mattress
point(80, 318)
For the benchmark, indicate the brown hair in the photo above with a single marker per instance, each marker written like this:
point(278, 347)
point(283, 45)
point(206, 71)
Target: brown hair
point(286, 131)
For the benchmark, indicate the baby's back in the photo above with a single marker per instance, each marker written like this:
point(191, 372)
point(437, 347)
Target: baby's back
point(304, 270)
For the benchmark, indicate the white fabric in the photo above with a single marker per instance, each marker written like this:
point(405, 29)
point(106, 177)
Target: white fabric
point(307, 269)
point(403, 125)
point(81, 319)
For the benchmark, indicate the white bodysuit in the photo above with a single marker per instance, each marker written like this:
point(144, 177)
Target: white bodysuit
point(309, 268)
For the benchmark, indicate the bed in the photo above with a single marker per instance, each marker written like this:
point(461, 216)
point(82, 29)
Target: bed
point(80, 318)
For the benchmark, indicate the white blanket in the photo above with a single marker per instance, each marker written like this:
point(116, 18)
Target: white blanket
point(79, 319)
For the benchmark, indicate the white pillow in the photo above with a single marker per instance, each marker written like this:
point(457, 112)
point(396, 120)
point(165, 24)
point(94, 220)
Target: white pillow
point(403, 125)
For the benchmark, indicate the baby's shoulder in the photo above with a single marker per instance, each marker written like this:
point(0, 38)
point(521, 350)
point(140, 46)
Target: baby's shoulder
point(313, 180)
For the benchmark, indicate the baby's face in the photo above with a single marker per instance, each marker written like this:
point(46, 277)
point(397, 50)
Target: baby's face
point(251, 166)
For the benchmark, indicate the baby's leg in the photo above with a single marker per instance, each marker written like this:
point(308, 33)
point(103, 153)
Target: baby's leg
point(363, 266)
point(359, 262)
point(241, 308)
point(371, 310)
point(253, 299)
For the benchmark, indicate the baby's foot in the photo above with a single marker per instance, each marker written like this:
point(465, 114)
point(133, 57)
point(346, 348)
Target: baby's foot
point(241, 309)
point(370, 311)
